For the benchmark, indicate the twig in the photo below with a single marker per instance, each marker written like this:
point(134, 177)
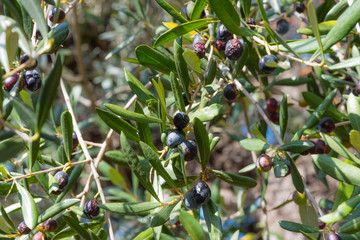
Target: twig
point(16, 131)
point(87, 155)
point(48, 170)
point(261, 111)
point(275, 49)
point(101, 153)
point(80, 59)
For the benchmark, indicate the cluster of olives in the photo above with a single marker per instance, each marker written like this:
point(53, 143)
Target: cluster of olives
point(50, 225)
point(200, 193)
point(176, 137)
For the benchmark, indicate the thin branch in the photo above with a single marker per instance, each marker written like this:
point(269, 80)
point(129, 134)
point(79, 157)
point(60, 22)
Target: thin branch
point(87, 155)
point(16, 131)
point(48, 170)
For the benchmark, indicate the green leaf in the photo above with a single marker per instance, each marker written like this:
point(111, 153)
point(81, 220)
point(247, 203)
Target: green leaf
point(10, 147)
point(336, 10)
point(162, 216)
point(343, 194)
point(227, 13)
point(309, 217)
point(356, 53)
point(116, 178)
point(298, 146)
point(130, 208)
point(348, 63)
point(197, 10)
point(338, 169)
point(308, 45)
point(280, 167)
point(148, 234)
point(143, 128)
point(355, 139)
point(136, 167)
point(295, 175)
point(33, 7)
point(154, 59)
point(207, 114)
point(161, 94)
point(213, 220)
point(28, 206)
point(137, 117)
point(172, 11)
point(56, 209)
point(67, 131)
point(153, 158)
point(140, 90)
point(248, 168)
point(34, 148)
point(262, 11)
point(254, 144)
point(202, 140)
point(323, 28)
point(6, 217)
point(283, 116)
point(182, 29)
point(311, 11)
point(234, 179)
point(176, 89)
point(343, 26)
point(122, 45)
point(192, 61)
point(48, 93)
point(69, 232)
point(59, 34)
point(53, 184)
point(75, 225)
point(297, 227)
point(342, 211)
point(245, 6)
point(119, 125)
point(14, 10)
point(352, 226)
point(317, 114)
point(192, 226)
point(353, 108)
point(182, 70)
point(339, 148)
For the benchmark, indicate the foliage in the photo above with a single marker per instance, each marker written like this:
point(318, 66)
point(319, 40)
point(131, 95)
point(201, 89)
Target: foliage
point(43, 131)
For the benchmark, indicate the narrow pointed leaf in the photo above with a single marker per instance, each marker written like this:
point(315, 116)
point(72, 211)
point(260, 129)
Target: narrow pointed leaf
point(176, 89)
point(227, 13)
point(298, 146)
point(254, 144)
point(48, 93)
point(33, 7)
point(352, 226)
point(56, 209)
point(234, 179)
point(136, 167)
point(67, 131)
point(118, 125)
point(348, 63)
point(75, 225)
point(182, 29)
point(137, 117)
point(143, 128)
point(353, 108)
point(130, 208)
point(213, 220)
point(297, 227)
point(136, 86)
point(162, 216)
point(154, 59)
point(207, 114)
point(342, 211)
point(172, 11)
point(182, 69)
point(192, 226)
point(283, 116)
point(339, 148)
point(338, 169)
point(153, 158)
point(28, 207)
point(202, 141)
point(198, 9)
point(69, 232)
